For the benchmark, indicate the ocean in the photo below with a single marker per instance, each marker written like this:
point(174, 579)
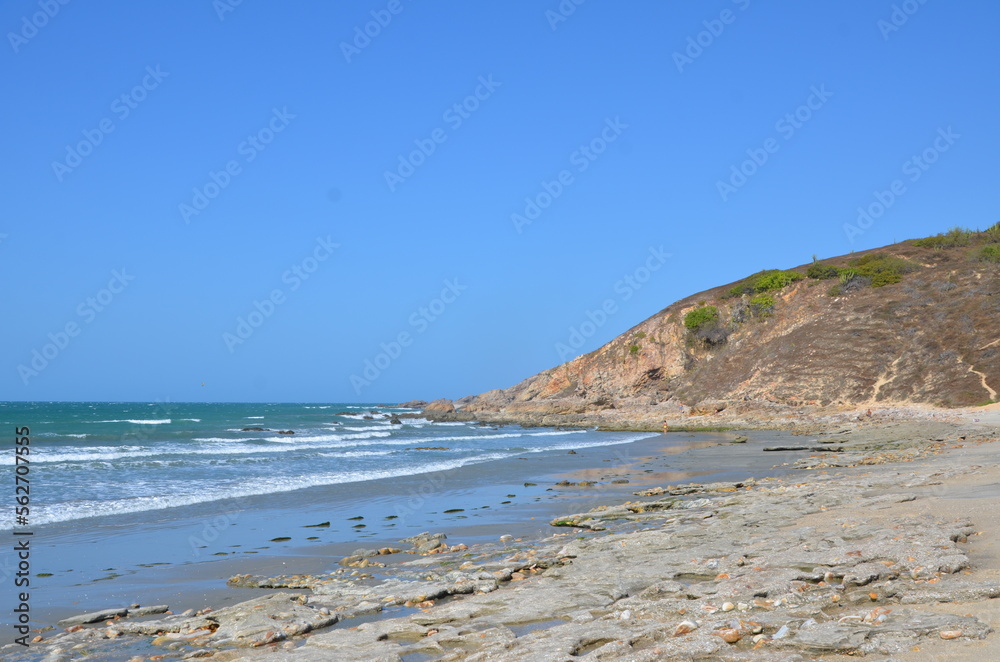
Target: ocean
point(100, 459)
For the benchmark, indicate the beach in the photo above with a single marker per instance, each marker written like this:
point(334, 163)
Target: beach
point(876, 538)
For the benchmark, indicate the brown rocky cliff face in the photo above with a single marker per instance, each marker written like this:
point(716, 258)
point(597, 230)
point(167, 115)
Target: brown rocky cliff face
point(933, 338)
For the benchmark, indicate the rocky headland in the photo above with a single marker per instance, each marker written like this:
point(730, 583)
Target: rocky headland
point(910, 327)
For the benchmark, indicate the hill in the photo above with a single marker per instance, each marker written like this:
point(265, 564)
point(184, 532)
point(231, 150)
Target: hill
point(911, 324)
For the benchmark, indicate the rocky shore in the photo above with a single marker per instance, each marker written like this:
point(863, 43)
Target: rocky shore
point(882, 542)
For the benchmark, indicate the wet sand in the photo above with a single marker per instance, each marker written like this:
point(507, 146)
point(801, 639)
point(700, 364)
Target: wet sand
point(183, 557)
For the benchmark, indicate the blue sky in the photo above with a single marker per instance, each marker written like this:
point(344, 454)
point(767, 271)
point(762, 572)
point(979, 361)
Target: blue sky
point(260, 201)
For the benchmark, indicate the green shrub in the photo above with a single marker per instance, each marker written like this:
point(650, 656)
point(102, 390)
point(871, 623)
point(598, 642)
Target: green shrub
point(762, 305)
point(765, 281)
point(700, 318)
point(770, 281)
point(822, 271)
point(886, 278)
point(640, 335)
point(881, 269)
point(990, 253)
point(956, 236)
point(992, 234)
point(835, 291)
point(633, 349)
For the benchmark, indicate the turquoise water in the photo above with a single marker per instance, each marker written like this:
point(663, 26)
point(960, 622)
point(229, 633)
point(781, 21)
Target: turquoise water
point(92, 460)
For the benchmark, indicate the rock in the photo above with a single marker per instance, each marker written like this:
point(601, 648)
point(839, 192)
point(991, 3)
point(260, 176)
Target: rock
point(951, 634)
point(147, 611)
point(425, 542)
point(442, 406)
point(571, 452)
point(709, 408)
point(94, 617)
point(740, 439)
point(830, 638)
point(266, 620)
point(286, 431)
point(684, 627)
point(729, 635)
point(412, 404)
point(395, 421)
point(255, 429)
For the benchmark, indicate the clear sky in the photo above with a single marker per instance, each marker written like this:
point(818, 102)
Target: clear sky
point(248, 201)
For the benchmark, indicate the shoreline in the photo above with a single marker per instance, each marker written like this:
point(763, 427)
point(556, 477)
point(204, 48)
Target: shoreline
point(711, 417)
point(149, 556)
point(909, 441)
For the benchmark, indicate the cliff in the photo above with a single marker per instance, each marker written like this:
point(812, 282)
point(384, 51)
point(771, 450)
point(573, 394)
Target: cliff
point(911, 324)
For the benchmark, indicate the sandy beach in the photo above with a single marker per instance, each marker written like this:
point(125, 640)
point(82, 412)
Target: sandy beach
point(875, 538)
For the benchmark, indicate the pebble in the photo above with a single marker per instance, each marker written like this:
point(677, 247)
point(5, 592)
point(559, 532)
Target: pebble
point(730, 636)
point(781, 633)
point(685, 627)
point(951, 634)
point(728, 606)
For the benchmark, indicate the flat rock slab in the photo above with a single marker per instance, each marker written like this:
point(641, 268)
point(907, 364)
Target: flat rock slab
point(93, 617)
point(266, 620)
point(148, 611)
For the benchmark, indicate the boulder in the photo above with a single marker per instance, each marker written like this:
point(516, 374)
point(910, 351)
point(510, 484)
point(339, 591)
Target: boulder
point(94, 617)
point(442, 406)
